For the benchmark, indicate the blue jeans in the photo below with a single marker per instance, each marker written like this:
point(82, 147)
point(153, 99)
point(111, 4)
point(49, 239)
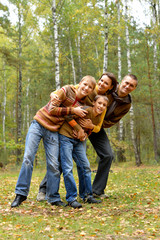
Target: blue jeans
point(51, 144)
point(69, 148)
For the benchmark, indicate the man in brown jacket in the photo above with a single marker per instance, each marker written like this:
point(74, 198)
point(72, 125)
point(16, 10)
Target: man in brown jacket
point(119, 105)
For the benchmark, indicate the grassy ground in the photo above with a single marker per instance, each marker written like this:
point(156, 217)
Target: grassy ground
point(131, 212)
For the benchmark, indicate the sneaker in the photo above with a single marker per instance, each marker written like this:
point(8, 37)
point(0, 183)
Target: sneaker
point(58, 203)
point(75, 204)
point(41, 196)
point(102, 196)
point(91, 199)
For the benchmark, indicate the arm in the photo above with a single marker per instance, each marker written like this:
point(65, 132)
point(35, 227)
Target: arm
point(53, 107)
point(114, 118)
point(87, 123)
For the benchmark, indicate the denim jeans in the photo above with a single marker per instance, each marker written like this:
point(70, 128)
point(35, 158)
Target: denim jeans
point(101, 144)
point(69, 148)
point(51, 144)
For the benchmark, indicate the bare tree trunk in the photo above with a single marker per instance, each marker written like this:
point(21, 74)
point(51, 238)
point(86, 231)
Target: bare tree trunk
point(136, 152)
point(135, 145)
point(152, 109)
point(127, 38)
point(105, 62)
point(19, 91)
point(120, 151)
point(79, 55)
point(72, 62)
point(119, 44)
point(56, 43)
point(27, 95)
point(4, 107)
point(155, 23)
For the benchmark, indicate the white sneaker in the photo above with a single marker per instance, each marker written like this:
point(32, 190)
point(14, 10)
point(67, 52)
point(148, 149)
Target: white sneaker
point(41, 196)
point(102, 196)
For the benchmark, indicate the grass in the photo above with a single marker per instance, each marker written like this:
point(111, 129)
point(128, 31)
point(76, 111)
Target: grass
point(132, 210)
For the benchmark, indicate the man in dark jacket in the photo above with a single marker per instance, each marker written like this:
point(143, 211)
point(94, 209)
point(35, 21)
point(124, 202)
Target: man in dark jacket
point(120, 103)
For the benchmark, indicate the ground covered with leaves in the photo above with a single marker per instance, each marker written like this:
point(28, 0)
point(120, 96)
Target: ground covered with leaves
point(132, 210)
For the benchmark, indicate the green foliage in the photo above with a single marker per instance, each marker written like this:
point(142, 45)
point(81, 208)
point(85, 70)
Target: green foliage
point(77, 21)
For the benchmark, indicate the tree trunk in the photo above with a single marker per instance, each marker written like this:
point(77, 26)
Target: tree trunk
point(136, 149)
point(79, 56)
point(119, 45)
point(56, 44)
point(105, 63)
point(19, 91)
point(155, 23)
point(152, 109)
point(120, 151)
point(4, 107)
point(136, 152)
point(72, 62)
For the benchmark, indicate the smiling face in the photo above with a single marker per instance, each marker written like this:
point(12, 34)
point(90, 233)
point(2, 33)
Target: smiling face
point(104, 84)
point(86, 87)
point(100, 105)
point(127, 85)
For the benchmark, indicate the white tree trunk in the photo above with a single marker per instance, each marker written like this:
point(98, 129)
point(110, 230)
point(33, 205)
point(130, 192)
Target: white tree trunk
point(4, 107)
point(72, 62)
point(119, 68)
point(97, 55)
point(27, 94)
point(155, 23)
point(127, 38)
point(105, 62)
point(79, 55)
point(119, 45)
point(137, 154)
point(56, 43)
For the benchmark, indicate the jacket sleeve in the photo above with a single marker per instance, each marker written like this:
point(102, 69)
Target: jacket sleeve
point(97, 128)
point(71, 119)
point(53, 107)
point(115, 117)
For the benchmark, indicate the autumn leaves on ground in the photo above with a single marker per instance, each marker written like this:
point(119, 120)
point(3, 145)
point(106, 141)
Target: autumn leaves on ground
point(132, 210)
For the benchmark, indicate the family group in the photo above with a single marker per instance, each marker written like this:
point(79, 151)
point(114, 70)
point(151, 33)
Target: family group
point(73, 114)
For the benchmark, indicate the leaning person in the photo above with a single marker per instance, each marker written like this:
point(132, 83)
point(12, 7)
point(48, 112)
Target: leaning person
point(119, 105)
point(46, 124)
point(71, 147)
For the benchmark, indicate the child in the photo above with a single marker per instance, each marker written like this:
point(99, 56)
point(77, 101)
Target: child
point(70, 147)
point(46, 124)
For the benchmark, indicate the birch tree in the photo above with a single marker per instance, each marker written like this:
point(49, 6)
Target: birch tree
point(120, 152)
point(19, 85)
point(56, 44)
point(79, 54)
point(4, 106)
point(105, 61)
point(72, 62)
point(137, 153)
point(152, 106)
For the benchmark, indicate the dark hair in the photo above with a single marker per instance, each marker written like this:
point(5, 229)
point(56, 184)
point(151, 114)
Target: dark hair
point(99, 96)
point(132, 76)
point(114, 81)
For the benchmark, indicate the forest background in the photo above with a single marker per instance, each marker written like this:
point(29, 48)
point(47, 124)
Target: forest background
point(52, 43)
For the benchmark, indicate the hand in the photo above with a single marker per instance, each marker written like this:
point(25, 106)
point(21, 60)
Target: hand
point(79, 135)
point(86, 123)
point(80, 112)
point(84, 138)
point(53, 96)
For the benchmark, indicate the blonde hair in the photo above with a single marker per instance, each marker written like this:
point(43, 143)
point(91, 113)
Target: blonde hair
point(89, 78)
